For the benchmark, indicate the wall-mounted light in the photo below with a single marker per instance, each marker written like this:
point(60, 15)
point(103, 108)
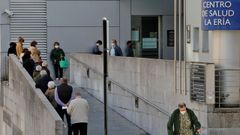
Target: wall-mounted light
point(8, 12)
point(188, 33)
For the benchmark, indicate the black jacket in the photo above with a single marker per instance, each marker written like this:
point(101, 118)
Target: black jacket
point(118, 51)
point(56, 55)
point(96, 50)
point(129, 52)
point(64, 92)
point(42, 83)
point(12, 50)
point(29, 65)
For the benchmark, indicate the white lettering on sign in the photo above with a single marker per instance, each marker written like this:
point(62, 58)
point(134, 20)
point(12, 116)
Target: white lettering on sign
point(217, 13)
point(217, 4)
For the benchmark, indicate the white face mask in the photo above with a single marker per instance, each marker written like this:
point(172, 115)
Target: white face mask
point(56, 46)
point(97, 44)
point(113, 44)
point(183, 112)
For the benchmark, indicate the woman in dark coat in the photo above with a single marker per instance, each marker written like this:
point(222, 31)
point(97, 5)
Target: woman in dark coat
point(28, 63)
point(56, 55)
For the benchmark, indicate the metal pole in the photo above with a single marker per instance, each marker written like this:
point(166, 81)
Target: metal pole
point(105, 72)
point(175, 45)
point(184, 47)
point(180, 44)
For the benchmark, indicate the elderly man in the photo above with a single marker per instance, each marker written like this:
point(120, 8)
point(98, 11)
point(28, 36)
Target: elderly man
point(78, 110)
point(42, 82)
point(184, 121)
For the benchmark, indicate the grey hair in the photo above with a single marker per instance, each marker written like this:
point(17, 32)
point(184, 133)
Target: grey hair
point(43, 72)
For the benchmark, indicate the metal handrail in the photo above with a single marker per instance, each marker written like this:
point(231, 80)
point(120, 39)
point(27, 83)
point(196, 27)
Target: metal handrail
point(122, 87)
point(230, 69)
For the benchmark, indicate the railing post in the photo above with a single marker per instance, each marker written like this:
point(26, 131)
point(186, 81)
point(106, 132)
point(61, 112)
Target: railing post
point(105, 71)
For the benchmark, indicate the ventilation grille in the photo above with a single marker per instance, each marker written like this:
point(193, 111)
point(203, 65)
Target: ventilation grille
point(30, 22)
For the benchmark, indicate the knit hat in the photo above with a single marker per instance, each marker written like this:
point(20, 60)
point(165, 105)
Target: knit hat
point(44, 64)
point(38, 68)
point(43, 72)
point(51, 84)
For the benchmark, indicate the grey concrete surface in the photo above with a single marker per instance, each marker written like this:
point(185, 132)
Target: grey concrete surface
point(117, 125)
point(25, 110)
point(150, 79)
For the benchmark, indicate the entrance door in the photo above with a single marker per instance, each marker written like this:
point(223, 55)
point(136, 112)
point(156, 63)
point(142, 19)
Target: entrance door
point(145, 36)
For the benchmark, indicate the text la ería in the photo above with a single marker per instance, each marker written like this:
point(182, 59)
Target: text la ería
point(217, 21)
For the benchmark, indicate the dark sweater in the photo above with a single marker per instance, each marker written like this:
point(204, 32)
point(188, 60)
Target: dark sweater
point(12, 50)
point(174, 120)
point(56, 55)
point(64, 92)
point(29, 65)
point(42, 83)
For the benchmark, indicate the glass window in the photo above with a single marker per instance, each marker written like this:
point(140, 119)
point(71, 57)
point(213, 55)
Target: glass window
point(205, 46)
point(196, 39)
point(145, 36)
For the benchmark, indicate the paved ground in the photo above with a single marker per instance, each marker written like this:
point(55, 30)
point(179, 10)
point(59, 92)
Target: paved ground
point(117, 125)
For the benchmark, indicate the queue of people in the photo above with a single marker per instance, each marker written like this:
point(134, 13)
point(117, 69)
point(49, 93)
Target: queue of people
point(115, 49)
point(62, 96)
point(182, 121)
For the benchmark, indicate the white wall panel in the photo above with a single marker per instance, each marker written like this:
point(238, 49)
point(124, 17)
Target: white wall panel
point(78, 39)
point(82, 13)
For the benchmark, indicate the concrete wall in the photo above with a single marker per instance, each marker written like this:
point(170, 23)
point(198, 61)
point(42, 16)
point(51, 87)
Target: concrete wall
point(148, 78)
point(4, 36)
point(152, 7)
point(77, 25)
point(25, 110)
point(193, 18)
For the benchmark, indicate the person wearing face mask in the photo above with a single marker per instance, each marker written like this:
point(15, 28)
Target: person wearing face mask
point(56, 55)
point(115, 49)
point(184, 121)
point(96, 49)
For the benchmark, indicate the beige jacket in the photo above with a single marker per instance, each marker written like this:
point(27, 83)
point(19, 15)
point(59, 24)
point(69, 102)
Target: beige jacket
point(35, 54)
point(19, 49)
point(78, 109)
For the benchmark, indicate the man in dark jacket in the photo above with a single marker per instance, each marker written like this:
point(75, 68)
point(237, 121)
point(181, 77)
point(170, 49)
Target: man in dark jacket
point(184, 121)
point(63, 96)
point(42, 83)
point(129, 49)
point(12, 48)
point(96, 49)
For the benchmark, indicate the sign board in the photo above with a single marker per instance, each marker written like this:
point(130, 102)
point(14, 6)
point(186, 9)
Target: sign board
point(170, 38)
point(149, 43)
point(220, 14)
point(198, 83)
